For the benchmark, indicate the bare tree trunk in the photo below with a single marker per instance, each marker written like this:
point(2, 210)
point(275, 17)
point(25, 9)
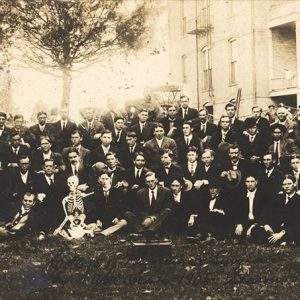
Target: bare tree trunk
point(66, 87)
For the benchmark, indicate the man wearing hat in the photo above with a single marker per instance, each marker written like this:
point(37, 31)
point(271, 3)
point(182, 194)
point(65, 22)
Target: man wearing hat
point(253, 144)
point(281, 147)
point(213, 218)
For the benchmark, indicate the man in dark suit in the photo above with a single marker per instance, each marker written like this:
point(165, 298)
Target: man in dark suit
point(204, 129)
point(107, 204)
point(154, 147)
point(295, 169)
point(186, 140)
point(51, 188)
point(105, 146)
point(62, 131)
point(119, 132)
point(22, 220)
point(172, 123)
point(249, 207)
point(236, 124)
point(38, 130)
point(143, 129)
point(91, 129)
point(84, 153)
point(127, 153)
point(185, 112)
point(190, 169)
point(10, 155)
point(253, 143)
point(18, 181)
point(270, 176)
point(4, 131)
point(84, 173)
point(224, 134)
point(261, 122)
point(183, 203)
point(281, 224)
point(152, 207)
point(281, 146)
point(116, 173)
point(167, 172)
point(213, 216)
point(22, 130)
point(47, 153)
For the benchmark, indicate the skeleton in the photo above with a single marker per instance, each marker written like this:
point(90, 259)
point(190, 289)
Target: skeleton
point(73, 226)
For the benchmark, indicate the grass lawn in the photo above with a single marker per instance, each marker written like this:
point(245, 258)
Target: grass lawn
point(102, 268)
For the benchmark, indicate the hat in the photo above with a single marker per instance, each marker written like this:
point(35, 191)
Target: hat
point(233, 178)
point(188, 185)
point(249, 123)
point(277, 125)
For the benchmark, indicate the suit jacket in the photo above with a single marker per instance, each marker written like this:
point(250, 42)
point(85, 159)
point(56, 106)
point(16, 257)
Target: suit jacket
point(122, 141)
point(8, 155)
point(242, 207)
point(210, 129)
point(216, 139)
point(84, 154)
point(241, 166)
point(107, 208)
point(238, 126)
point(153, 152)
point(133, 180)
point(4, 137)
point(262, 124)
point(183, 147)
point(85, 175)
point(187, 175)
point(163, 201)
point(62, 137)
point(192, 114)
point(258, 147)
point(174, 173)
point(88, 134)
point(289, 124)
point(117, 175)
point(97, 155)
point(38, 161)
point(126, 158)
point(144, 136)
point(34, 135)
point(177, 123)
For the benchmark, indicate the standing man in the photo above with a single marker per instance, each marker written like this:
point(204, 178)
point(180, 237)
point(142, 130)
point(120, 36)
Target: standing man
point(4, 131)
point(236, 124)
point(185, 112)
point(62, 130)
point(152, 207)
point(172, 122)
point(119, 132)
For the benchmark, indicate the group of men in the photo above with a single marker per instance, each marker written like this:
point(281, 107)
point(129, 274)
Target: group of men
point(179, 173)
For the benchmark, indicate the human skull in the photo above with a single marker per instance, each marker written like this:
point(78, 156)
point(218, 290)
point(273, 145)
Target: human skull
point(73, 183)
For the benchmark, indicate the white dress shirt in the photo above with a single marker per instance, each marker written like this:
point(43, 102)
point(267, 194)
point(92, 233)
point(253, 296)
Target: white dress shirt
point(212, 204)
point(250, 196)
point(24, 177)
point(159, 142)
point(177, 197)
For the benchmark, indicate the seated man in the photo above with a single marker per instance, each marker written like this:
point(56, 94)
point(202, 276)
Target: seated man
point(23, 219)
point(248, 207)
point(108, 205)
point(213, 217)
point(152, 207)
point(168, 170)
point(281, 221)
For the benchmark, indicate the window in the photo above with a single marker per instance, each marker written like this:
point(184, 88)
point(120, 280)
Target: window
point(233, 61)
point(205, 68)
point(183, 68)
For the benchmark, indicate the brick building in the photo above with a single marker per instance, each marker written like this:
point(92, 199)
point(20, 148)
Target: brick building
point(220, 46)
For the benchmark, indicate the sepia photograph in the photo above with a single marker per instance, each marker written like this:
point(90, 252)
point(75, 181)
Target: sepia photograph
point(149, 149)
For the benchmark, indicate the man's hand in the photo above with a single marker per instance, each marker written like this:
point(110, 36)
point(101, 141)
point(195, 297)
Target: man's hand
point(41, 197)
point(135, 186)
point(220, 211)
point(97, 136)
point(276, 236)
point(239, 229)
point(224, 174)
point(3, 231)
point(248, 233)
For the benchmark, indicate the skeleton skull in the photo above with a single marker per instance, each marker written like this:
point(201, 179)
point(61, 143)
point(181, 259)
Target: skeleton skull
point(73, 183)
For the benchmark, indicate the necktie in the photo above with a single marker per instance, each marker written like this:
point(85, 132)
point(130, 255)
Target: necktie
point(184, 114)
point(16, 151)
point(276, 152)
point(89, 126)
point(192, 170)
point(131, 149)
point(152, 198)
point(75, 170)
point(203, 128)
point(187, 141)
point(143, 127)
point(64, 125)
point(251, 139)
point(167, 170)
point(118, 135)
point(51, 181)
point(268, 172)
